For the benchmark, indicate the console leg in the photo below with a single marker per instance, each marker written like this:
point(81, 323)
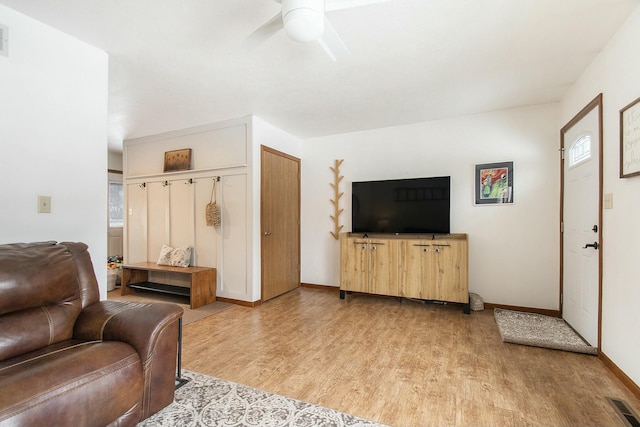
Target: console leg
point(342, 294)
point(466, 308)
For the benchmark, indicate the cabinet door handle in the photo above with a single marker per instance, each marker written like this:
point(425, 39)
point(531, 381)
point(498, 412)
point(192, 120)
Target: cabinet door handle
point(373, 248)
point(425, 249)
point(363, 247)
point(436, 250)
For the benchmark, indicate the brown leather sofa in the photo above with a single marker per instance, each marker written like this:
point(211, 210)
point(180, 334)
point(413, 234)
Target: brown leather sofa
point(69, 359)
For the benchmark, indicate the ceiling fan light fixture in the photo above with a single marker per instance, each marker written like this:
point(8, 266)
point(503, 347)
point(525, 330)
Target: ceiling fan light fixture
point(303, 19)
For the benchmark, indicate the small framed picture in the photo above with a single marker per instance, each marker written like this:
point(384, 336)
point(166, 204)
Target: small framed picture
point(177, 160)
point(494, 183)
point(630, 140)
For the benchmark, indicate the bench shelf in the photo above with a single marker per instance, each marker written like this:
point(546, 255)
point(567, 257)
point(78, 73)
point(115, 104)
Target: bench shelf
point(201, 289)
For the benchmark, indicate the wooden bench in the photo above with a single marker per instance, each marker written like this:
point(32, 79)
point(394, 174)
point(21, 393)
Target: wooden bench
point(201, 281)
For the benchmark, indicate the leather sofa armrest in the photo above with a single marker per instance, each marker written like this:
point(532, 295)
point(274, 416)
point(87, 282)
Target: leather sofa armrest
point(151, 329)
point(137, 324)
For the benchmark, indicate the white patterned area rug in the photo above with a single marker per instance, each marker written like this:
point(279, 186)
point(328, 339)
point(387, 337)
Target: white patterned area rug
point(538, 330)
point(208, 401)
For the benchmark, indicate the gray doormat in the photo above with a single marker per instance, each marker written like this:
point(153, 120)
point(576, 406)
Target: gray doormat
point(538, 330)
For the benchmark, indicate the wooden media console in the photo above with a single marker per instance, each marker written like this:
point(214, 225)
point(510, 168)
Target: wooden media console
point(425, 267)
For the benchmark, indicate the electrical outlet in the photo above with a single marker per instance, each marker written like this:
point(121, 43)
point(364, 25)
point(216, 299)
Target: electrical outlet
point(44, 204)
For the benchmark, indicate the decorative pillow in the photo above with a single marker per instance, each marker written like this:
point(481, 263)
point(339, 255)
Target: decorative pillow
point(178, 257)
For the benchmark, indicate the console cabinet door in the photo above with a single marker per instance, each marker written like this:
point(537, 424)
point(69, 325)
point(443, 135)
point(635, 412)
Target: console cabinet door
point(354, 270)
point(383, 267)
point(417, 270)
point(450, 278)
point(434, 270)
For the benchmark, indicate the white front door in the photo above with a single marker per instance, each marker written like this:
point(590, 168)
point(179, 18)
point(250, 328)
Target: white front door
point(581, 140)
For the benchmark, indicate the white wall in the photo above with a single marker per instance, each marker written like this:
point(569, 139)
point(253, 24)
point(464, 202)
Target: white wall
point(265, 133)
point(513, 250)
point(115, 160)
point(53, 135)
point(615, 73)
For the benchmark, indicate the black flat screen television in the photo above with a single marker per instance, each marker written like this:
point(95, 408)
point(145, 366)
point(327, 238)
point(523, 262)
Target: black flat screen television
point(417, 205)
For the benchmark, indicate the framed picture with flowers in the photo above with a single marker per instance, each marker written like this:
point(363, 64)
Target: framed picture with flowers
point(494, 184)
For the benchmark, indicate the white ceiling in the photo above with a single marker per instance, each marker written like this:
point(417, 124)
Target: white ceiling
point(178, 63)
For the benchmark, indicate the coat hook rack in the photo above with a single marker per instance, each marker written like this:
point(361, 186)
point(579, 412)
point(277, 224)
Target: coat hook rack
point(143, 185)
point(336, 200)
point(189, 181)
point(216, 178)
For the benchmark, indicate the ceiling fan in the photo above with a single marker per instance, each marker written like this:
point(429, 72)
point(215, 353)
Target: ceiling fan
point(305, 21)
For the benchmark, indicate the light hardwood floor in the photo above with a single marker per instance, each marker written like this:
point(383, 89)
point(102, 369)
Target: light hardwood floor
point(401, 363)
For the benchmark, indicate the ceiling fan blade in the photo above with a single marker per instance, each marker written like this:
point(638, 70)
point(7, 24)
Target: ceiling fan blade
point(332, 43)
point(263, 33)
point(330, 5)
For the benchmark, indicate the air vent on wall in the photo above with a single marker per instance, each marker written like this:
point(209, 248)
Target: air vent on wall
point(4, 40)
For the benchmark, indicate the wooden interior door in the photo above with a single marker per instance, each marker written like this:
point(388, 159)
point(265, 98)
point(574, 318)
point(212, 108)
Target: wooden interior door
point(280, 223)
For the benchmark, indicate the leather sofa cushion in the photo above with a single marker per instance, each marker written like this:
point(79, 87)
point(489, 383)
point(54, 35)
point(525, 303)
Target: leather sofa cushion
point(39, 296)
point(36, 275)
point(52, 383)
point(31, 329)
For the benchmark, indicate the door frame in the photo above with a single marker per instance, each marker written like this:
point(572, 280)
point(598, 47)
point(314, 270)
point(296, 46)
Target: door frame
point(595, 103)
point(263, 149)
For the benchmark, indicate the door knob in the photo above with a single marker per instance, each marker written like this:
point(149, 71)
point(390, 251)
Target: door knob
point(593, 245)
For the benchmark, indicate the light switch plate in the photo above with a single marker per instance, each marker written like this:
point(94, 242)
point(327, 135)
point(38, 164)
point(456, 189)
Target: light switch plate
point(4, 40)
point(608, 201)
point(44, 204)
